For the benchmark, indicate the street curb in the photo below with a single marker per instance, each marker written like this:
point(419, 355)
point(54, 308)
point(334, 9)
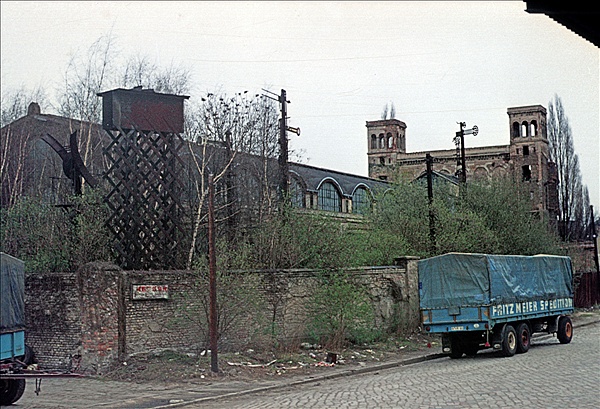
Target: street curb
point(340, 374)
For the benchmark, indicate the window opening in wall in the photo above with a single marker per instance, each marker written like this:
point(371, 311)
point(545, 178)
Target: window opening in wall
point(516, 129)
point(390, 141)
point(524, 129)
point(373, 141)
point(526, 173)
point(381, 141)
point(533, 128)
point(525, 150)
point(297, 195)
point(382, 161)
point(329, 198)
point(361, 201)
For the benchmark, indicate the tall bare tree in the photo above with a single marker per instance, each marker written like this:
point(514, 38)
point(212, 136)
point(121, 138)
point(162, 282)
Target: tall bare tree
point(140, 71)
point(16, 102)
point(233, 138)
point(572, 194)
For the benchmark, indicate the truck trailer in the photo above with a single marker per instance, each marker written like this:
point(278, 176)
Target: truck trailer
point(14, 355)
point(479, 301)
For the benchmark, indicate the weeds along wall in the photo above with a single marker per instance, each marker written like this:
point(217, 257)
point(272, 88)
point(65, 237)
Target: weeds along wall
point(94, 318)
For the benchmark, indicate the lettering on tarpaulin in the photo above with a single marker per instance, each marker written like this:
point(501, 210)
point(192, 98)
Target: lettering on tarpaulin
point(529, 307)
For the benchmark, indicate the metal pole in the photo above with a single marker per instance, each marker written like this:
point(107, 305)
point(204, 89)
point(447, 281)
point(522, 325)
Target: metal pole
point(429, 162)
point(283, 155)
point(212, 267)
point(463, 163)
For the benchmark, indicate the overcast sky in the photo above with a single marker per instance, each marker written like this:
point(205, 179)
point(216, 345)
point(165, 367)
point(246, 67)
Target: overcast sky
point(439, 63)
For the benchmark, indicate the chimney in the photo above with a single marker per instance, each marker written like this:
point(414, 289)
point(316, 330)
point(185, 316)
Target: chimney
point(34, 109)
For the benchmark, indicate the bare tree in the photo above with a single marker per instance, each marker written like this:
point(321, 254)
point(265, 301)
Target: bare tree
point(140, 71)
point(389, 111)
point(572, 195)
point(15, 103)
point(232, 138)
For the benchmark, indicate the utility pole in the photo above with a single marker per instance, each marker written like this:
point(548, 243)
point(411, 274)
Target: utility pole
point(284, 167)
point(212, 278)
point(429, 162)
point(459, 140)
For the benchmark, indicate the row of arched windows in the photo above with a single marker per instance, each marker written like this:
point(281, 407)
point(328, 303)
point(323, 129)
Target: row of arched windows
point(525, 129)
point(329, 197)
point(382, 141)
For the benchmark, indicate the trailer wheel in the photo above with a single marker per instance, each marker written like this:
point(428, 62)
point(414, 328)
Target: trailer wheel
point(523, 338)
point(509, 341)
point(471, 350)
point(565, 330)
point(456, 350)
point(11, 391)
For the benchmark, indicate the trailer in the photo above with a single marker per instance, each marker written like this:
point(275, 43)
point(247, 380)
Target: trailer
point(17, 360)
point(479, 301)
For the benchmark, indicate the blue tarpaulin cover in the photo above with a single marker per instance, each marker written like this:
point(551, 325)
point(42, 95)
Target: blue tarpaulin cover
point(12, 293)
point(461, 279)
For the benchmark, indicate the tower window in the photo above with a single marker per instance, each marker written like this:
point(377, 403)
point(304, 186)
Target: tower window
point(390, 141)
point(525, 150)
point(516, 129)
point(381, 141)
point(382, 161)
point(524, 129)
point(533, 128)
point(373, 141)
point(526, 173)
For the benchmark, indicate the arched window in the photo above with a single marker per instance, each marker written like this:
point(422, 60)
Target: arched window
point(329, 198)
point(361, 201)
point(297, 193)
point(524, 130)
point(373, 141)
point(516, 129)
point(390, 141)
point(381, 141)
point(533, 128)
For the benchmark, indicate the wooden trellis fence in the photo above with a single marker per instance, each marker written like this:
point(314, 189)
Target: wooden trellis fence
point(144, 178)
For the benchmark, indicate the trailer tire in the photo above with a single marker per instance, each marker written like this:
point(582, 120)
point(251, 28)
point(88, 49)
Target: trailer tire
point(471, 350)
point(11, 391)
point(456, 350)
point(565, 330)
point(523, 338)
point(509, 341)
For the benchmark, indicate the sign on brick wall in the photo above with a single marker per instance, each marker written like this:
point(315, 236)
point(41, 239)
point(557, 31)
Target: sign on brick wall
point(150, 292)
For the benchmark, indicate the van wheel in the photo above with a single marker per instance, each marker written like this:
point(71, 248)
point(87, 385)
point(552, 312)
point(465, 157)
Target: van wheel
point(523, 338)
point(565, 330)
point(509, 341)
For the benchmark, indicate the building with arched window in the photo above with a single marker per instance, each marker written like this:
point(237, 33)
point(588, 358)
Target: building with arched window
point(526, 157)
point(314, 188)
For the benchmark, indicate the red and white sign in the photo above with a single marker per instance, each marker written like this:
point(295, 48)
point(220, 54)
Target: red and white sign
point(150, 292)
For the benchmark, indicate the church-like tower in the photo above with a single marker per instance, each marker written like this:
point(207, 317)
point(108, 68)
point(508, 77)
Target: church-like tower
point(530, 156)
point(387, 138)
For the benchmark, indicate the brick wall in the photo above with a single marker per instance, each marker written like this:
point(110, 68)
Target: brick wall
point(89, 320)
point(52, 318)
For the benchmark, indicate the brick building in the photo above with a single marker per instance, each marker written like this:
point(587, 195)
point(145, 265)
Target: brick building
point(526, 157)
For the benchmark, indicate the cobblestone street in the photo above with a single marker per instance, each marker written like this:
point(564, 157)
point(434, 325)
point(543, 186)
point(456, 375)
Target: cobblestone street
point(550, 375)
